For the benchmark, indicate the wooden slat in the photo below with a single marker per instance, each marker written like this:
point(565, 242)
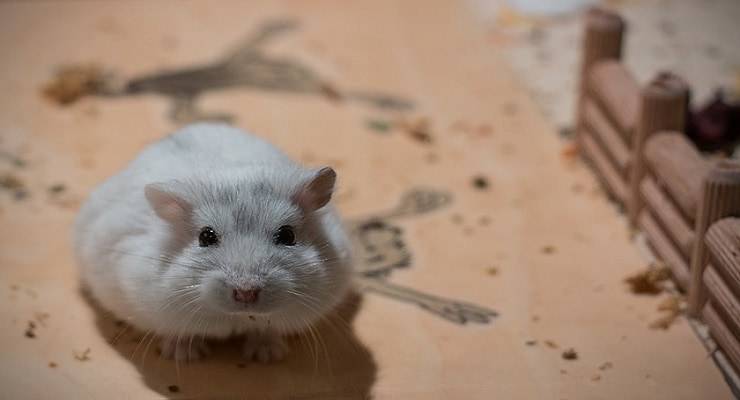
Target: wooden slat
point(679, 168)
point(725, 302)
point(668, 216)
point(723, 242)
point(618, 93)
point(595, 121)
point(722, 334)
point(665, 249)
point(605, 169)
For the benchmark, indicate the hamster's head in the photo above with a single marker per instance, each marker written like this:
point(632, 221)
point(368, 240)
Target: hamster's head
point(251, 245)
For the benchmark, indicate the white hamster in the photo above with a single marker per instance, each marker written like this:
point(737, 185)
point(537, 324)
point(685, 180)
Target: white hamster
point(212, 232)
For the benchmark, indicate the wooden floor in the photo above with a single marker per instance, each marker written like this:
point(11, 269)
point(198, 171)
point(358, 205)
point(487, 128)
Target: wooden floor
point(534, 240)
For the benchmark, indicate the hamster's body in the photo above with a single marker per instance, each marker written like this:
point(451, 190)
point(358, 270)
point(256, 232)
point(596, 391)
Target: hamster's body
point(140, 241)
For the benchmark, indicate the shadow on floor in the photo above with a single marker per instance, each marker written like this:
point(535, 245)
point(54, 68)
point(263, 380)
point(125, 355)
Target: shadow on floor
point(335, 365)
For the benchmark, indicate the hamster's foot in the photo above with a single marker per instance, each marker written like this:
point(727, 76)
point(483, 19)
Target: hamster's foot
point(184, 349)
point(264, 347)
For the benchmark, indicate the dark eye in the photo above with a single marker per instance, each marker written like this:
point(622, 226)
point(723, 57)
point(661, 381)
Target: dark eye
point(284, 236)
point(208, 237)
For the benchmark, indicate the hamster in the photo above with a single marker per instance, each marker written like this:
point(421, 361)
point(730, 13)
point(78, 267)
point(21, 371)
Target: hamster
point(212, 232)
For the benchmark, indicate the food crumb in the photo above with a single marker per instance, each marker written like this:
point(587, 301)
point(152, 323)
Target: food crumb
point(252, 318)
point(378, 125)
point(41, 317)
point(31, 330)
point(596, 378)
point(493, 271)
point(417, 129)
point(570, 354)
point(531, 343)
point(330, 92)
point(480, 182)
point(563, 372)
point(569, 152)
point(672, 306)
point(548, 249)
point(57, 188)
point(535, 318)
point(83, 356)
point(52, 364)
point(551, 344)
point(605, 366)
point(484, 220)
point(650, 281)
point(173, 388)
point(74, 82)
point(11, 182)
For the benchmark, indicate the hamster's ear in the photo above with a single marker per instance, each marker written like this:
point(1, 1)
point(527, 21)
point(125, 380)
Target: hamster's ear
point(315, 193)
point(168, 205)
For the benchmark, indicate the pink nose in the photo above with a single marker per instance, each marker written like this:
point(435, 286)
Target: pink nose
point(248, 296)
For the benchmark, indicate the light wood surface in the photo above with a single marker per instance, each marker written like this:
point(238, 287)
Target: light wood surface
point(559, 249)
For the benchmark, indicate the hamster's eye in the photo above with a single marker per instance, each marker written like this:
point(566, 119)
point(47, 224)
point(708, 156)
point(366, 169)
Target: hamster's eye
point(208, 237)
point(284, 236)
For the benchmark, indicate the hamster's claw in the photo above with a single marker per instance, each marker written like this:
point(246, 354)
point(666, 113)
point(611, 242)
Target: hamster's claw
point(183, 349)
point(264, 348)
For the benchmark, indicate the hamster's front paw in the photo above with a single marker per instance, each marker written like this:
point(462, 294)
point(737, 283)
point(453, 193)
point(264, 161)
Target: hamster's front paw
point(264, 347)
point(184, 349)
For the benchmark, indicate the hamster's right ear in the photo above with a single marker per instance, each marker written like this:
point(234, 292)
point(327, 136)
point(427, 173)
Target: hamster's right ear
point(168, 205)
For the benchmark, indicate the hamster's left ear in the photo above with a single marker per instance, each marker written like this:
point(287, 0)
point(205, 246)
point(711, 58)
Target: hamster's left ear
point(315, 193)
point(168, 205)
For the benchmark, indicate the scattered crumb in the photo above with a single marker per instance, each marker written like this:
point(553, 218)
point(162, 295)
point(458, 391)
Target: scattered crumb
point(31, 330)
point(73, 82)
point(330, 92)
point(252, 318)
point(531, 343)
point(480, 182)
point(570, 354)
point(606, 365)
point(41, 317)
point(548, 249)
point(52, 364)
point(569, 152)
point(173, 388)
point(57, 188)
point(11, 182)
point(551, 344)
point(83, 356)
point(14, 287)
point(566, 131)
point(484, 220)
point(672, 308)
point(649, 281)
point(535, 318)
point(417, 129)
point(493, 271)
point(577, 188)
point(596, 378)
point(563, 372)
point(378, 125)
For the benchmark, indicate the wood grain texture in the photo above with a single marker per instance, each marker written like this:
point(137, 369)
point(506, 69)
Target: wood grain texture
point(609, 139)
point(616, 91)
point(668, 216)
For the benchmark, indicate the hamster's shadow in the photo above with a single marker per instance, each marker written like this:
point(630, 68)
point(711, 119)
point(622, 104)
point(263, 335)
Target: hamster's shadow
point(333, 364)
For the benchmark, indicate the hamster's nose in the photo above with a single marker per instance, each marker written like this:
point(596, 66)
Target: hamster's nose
point(248, 296)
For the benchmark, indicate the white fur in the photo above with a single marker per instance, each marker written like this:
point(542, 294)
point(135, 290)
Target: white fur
point(241, 186)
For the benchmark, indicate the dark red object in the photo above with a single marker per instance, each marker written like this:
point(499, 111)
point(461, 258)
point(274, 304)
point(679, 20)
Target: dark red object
point(715, 126)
